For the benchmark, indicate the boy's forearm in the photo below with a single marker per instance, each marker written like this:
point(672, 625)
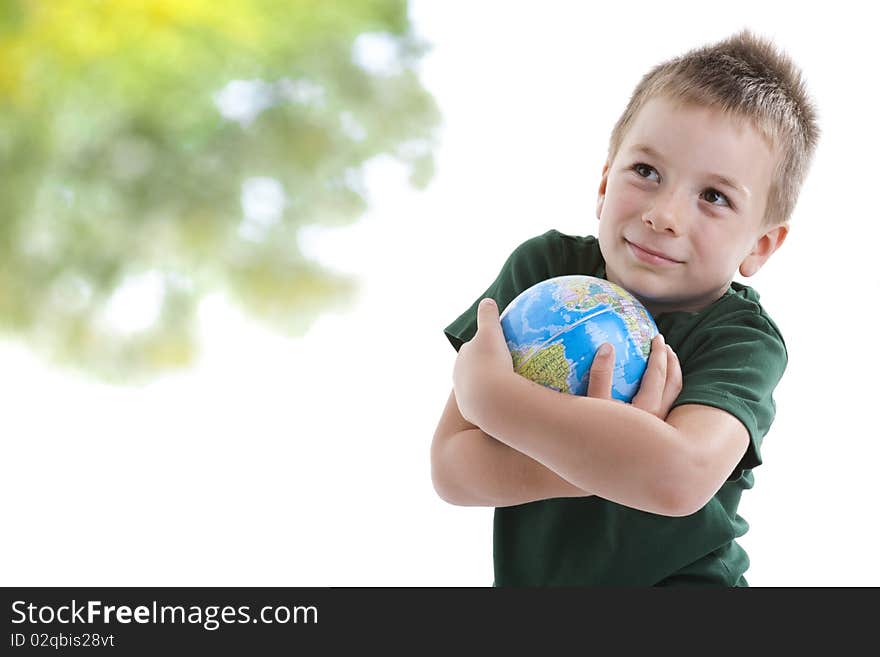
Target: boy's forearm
point(619, 452)
point(471, 468)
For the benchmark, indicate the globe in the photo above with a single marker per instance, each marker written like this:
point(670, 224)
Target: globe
point(554, 328)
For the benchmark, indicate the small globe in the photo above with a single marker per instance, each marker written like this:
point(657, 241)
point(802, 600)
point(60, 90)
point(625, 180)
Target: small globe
point(554, 328)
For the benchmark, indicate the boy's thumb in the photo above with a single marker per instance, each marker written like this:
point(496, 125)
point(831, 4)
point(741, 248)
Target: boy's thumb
point(487, 312)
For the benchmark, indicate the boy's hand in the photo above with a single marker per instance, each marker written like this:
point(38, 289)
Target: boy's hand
point(661, 383)
point(482, 363)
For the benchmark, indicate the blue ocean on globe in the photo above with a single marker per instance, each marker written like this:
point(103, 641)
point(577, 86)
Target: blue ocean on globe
point(554, 328)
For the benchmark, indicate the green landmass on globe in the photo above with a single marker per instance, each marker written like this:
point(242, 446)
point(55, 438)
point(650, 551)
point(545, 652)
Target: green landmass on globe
point(547, 366)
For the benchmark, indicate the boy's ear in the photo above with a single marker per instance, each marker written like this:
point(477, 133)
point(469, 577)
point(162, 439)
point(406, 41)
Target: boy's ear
point(763, 249)
point(602, 185)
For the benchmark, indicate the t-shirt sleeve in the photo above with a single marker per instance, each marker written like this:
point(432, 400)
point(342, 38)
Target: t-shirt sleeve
point(736, 366)
point(533, 261)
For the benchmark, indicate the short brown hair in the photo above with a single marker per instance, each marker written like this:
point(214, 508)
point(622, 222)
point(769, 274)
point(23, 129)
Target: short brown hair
point(747, 78)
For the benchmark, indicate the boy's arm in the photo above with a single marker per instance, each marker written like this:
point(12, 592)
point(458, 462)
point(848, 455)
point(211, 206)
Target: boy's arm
point(471, 468)
point(618, 451)
point(622, 453)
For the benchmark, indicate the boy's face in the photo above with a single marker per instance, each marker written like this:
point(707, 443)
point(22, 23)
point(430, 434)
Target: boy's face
point(660, 193)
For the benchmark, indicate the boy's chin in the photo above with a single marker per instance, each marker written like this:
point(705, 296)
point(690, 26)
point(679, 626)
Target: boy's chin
point(656, 298)
point(644, 290)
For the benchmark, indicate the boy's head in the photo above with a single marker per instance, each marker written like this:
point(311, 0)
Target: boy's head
point(704, 166)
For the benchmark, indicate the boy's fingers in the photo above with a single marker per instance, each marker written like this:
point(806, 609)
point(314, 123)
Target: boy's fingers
point(602, 372)
point(673, 379)
point(656, 370)
point(650, 394)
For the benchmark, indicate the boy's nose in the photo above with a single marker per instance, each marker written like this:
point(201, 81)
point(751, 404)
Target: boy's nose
point(664, 215)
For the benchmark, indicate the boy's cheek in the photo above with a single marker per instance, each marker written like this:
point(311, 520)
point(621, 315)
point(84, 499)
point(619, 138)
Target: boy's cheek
point(617, 207)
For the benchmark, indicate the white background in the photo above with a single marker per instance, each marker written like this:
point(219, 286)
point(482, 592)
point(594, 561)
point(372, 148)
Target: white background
point(282, 462)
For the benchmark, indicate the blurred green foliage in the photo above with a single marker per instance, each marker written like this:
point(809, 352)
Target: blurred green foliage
point(129, 130)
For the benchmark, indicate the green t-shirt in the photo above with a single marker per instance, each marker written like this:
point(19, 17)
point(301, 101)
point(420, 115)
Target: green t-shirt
point(732, 356)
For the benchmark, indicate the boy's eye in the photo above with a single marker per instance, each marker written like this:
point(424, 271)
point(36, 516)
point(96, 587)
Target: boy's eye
point(643, 170)
point(711, 194)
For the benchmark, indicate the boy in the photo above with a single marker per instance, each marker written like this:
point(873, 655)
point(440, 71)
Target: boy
point(702, 175)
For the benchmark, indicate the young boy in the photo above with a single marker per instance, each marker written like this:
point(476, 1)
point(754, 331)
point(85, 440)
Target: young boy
point(703, 172)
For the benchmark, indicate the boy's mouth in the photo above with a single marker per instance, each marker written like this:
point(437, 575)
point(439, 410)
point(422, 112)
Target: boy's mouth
point(652, 256)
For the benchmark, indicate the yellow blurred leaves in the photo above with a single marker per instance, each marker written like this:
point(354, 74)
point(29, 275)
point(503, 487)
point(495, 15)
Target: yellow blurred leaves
point(130, 131)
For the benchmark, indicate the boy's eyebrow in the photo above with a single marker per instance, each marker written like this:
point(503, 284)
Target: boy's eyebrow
point(717, 177)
